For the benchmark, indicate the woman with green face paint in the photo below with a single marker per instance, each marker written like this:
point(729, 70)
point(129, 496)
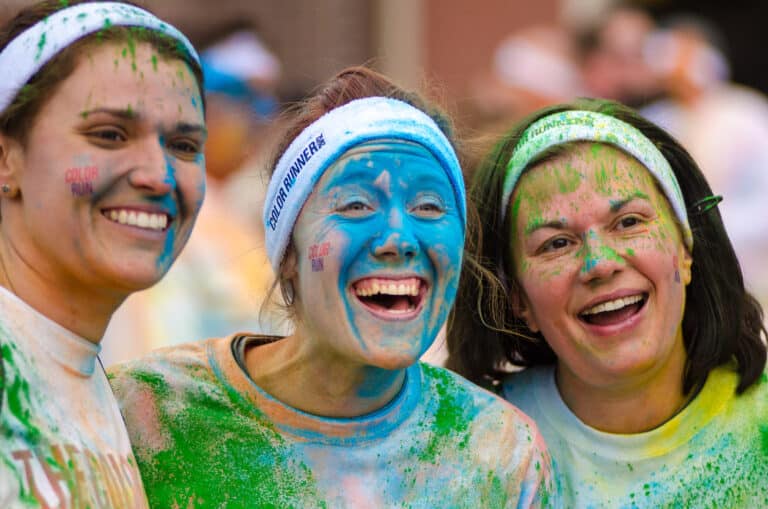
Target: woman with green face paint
point(604, 270)
point(364, 221)
point(101, 177)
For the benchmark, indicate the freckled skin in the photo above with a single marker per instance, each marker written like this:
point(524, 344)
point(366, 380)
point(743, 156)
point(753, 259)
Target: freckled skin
point(385, 208)
point(597, 250)
point(142, 159)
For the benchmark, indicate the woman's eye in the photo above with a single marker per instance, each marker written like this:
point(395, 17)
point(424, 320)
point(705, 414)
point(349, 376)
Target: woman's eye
point(107, 135)
point(428, 207)
point(354, 208)
point(555, 244)
point(628, 222)
point(185, 149)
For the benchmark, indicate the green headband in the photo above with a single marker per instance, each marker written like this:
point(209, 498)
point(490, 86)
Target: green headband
point(568, 126)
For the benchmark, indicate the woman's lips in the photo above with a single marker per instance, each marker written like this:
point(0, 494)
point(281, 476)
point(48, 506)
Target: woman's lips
point(155, 221)
point(611, 312)
point(391, 298)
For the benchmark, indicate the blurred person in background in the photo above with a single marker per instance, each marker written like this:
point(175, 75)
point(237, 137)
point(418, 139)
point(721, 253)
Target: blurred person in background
point(532, 68)
point(723, 125)
point(222, 276)
point(612, 57)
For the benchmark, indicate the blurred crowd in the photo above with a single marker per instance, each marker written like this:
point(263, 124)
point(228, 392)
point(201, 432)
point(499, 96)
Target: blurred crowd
point(675, 71)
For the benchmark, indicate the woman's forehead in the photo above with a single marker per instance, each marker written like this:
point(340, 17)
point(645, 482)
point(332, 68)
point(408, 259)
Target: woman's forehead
point(603, 167)
point(131, 80)
point(368, 160)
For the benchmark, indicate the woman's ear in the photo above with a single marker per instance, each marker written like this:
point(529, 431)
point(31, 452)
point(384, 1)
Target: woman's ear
point(289, 269)
point(522, 309)
point(11, 161)
point(685, 268)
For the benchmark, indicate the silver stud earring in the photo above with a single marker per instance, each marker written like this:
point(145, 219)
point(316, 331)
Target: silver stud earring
point(6, 188)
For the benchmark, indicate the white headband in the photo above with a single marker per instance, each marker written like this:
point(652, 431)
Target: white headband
point(568, 126)
point(32, 49)
point(325, 140)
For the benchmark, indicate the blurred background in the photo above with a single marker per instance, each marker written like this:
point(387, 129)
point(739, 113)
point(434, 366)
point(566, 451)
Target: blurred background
point(695, 67)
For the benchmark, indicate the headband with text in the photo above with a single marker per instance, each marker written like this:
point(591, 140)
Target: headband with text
point(325, 140)
point(32, 49)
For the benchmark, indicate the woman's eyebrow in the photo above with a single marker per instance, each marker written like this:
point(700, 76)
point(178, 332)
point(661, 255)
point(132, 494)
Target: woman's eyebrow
point(131, 114)
point(617, 205)
point(190, 128)
point(124, 113)
point(557, 224)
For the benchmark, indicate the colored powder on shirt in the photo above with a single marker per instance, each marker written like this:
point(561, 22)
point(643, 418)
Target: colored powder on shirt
point(450, 421)
point(17, 394)
point(267, 463)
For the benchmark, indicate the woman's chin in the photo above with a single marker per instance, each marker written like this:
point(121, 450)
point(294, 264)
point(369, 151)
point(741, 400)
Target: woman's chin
point(392, 360)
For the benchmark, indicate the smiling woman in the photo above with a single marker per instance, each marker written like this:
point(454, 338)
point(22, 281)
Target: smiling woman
point(606, 272)
point(364, 220)
point(101, 178)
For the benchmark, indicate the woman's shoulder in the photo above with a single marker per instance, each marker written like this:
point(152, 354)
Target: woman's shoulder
point(518, 384)
point(451, 394)
point(166, 370)
point(754, 399)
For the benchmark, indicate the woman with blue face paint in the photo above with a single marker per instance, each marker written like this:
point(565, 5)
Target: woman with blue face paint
point(607, 273)
point(364, 223)
point(101, 178)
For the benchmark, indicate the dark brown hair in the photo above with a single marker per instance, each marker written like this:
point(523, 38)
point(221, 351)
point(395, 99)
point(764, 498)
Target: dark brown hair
point(19, 116)
point(722, 322)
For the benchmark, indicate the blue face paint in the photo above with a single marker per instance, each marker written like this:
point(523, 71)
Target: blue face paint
point(389, 212)
point(169, 203)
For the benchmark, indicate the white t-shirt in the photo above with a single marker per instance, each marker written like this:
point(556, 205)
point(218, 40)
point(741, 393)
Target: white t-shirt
point(714, 453)
point(63, 442)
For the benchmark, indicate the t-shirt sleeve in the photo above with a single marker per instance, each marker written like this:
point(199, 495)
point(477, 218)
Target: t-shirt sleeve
point(539, 487)
point(138, 404)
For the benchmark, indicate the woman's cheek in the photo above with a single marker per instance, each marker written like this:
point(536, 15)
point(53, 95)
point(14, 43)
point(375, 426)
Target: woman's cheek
point(548, 271)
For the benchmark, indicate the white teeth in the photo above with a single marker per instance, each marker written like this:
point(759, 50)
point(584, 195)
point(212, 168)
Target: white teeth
point(408, 286)
point(146, 220)
point(613, 305)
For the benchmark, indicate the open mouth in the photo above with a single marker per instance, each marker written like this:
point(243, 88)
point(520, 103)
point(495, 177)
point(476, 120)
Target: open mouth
point(147, 220)
point(614, 311)
point(391, 298)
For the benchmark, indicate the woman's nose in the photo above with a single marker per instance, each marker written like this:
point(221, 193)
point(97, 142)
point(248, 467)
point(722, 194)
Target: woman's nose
point(153, 168)
point(397, 241)
point(600, 260)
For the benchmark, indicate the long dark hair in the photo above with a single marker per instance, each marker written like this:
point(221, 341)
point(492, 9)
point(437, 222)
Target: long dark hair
point(722, 322)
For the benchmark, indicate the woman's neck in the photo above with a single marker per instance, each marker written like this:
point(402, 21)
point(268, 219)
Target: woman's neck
point(628, 406)
point(80, 310)
point(320, 382)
